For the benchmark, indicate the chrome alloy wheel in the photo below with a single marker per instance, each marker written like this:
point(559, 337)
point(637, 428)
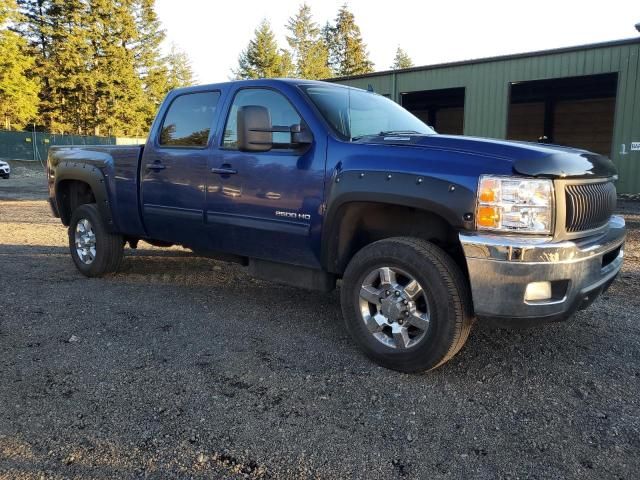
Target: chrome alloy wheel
point(85, 240)
point(394, 307)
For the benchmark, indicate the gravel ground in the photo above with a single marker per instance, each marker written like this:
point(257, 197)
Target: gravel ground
point(180, 367)
point(27, 182)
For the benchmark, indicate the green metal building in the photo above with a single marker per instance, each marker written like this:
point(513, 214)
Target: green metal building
point(586, 96)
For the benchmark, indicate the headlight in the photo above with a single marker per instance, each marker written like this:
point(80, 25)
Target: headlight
point(511, 204)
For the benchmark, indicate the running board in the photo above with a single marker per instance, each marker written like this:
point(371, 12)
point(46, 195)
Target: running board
point(308, 278)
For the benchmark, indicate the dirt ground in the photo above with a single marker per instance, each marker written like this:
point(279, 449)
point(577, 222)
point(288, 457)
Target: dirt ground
point(181, 367)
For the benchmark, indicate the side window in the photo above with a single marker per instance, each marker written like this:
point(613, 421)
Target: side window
point(281, 111)
point(189, 120)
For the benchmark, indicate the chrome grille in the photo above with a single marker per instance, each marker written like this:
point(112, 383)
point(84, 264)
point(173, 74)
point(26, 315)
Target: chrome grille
point(589, 205)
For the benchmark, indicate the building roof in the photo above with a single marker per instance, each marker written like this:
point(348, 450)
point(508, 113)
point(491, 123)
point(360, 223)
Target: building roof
point(513, 56)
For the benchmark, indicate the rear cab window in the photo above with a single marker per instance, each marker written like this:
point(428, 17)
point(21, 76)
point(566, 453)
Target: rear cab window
point(189, 120)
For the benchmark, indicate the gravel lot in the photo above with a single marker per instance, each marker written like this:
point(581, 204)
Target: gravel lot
point(180, 367)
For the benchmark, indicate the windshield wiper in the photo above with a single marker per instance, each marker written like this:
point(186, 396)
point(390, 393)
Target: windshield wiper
point(398, 132)
point(387, 132)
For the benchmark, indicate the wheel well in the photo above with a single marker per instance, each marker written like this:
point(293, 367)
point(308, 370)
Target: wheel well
point(362, 223)
point(70, 194)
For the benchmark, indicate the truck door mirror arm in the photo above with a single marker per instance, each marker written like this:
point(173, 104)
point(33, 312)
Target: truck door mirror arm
point(300, 136)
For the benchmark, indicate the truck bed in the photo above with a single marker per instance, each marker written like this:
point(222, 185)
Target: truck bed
point(119, 167)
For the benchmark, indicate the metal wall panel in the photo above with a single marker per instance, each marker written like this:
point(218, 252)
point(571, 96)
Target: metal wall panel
point(487, 84)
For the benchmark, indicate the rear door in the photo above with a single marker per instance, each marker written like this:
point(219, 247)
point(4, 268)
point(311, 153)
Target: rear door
point(174, 168)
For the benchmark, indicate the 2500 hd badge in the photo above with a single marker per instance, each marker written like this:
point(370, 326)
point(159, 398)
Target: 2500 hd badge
point(297, 216)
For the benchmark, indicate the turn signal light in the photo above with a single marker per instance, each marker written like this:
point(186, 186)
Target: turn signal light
point(488, 217)
point(488, 192)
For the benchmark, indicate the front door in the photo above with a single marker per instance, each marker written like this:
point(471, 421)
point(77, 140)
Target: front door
point(265, 204)
point(174, 169)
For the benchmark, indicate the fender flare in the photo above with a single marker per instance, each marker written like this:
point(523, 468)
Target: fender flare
point(450, 201)
point(97, 181)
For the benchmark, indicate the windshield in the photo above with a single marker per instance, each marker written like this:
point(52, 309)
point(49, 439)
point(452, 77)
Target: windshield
point(355, 113)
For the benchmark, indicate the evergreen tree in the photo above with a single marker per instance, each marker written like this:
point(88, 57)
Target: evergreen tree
point(99, 62)
point(401, 60)
point(347, 51)
point(262, 58)
point(309, 50)
point(119, 97)
point(18, 93)
point(59, 33)
point(67, 99)
point(37, 29)
point(179, 71)
point(34, 25)
point(150, 64)
point(147, 44)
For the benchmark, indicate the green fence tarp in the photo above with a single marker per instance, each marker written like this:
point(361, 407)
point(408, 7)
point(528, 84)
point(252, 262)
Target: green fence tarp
point(35, 145)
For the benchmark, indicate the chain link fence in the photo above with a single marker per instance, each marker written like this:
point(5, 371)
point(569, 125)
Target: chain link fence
point(34, 146)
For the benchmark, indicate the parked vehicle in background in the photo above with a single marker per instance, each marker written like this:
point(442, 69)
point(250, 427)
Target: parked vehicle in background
point(307, 183)
point(5, 169)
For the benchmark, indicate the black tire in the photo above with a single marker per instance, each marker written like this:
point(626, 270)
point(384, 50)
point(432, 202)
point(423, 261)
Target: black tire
point(446, 293)
point(108, 246)
point(6, 177)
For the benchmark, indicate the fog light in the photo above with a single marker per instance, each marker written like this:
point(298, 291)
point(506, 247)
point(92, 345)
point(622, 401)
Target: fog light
point(538, 291)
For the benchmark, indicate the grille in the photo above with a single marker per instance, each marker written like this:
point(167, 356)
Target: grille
point(589, 205)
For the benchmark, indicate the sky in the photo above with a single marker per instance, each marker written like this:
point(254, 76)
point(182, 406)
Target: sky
point(213, 33)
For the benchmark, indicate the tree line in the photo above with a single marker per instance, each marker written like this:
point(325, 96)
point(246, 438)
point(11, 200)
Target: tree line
point(335, 50)
point(96, 67)
point(88, 67)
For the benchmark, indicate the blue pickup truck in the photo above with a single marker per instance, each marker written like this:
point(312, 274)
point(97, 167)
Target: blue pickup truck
point(308, 183)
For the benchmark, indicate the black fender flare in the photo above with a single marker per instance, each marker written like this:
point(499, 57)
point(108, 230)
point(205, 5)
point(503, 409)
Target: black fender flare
point(454, 203)
point(97, 181)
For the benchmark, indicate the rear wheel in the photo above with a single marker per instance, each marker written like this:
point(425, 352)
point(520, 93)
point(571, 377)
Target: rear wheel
point(94, 250)
point(406, 304)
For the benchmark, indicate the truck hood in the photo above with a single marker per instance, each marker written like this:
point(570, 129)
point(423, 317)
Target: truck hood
point(531, 159)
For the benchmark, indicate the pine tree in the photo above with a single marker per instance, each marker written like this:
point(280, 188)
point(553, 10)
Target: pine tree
point(18, 92)
point(117, 106)
point(262, 58)
point(100, 64)
point(150, 63)
point(401, 60)
point(69, 94)
point(147, 44)
point(309, 50)
point(58, 33)
point(159, 73)
point(347, 51)
point(179, 71)
point(34, 24)
point(36, 28)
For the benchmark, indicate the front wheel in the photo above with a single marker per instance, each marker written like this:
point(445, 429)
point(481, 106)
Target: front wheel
point(406, 304)
point(94, 250)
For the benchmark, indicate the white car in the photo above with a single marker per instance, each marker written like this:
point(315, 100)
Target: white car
point(5, 169)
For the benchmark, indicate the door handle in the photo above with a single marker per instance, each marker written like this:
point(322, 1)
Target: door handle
point(157, 166)
point(224, 171)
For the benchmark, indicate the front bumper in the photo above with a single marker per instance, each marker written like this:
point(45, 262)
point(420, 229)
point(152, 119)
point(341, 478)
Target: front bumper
point(501, 267)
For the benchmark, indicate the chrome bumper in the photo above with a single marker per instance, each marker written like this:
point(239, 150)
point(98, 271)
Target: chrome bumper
point(501, 267)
